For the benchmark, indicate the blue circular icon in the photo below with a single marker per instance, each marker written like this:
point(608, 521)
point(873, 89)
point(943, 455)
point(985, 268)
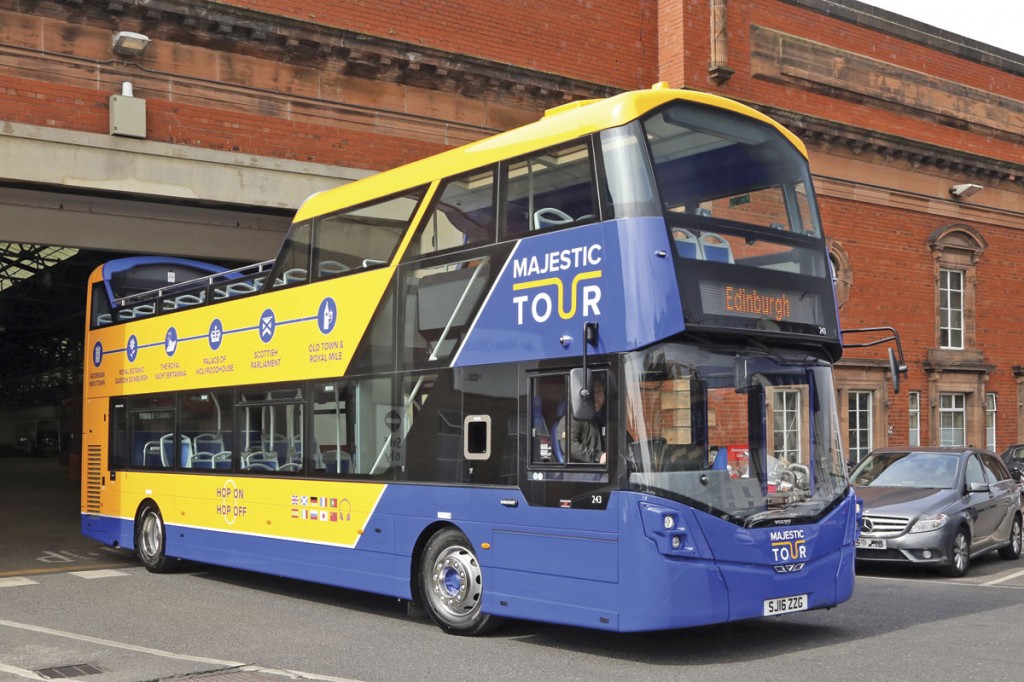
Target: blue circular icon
point(133, 348)
point(327, 316)
point(97, 354)
point(171, 341)
point(216, 334)
point(267, 325)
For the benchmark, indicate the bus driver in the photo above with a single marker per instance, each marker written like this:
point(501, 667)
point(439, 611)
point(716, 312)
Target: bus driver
point(586, 442)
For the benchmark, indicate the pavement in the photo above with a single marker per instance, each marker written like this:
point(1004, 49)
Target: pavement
point(40, 526)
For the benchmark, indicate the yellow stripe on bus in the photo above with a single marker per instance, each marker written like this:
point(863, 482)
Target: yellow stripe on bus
point(318, 511)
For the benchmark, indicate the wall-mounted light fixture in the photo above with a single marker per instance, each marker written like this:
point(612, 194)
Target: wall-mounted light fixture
point(129, 44)
point(965, 190)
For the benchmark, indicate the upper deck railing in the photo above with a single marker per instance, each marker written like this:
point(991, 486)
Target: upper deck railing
point(243, 281)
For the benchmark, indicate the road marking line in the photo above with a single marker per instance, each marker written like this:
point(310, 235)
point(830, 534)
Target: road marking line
point(1005, 578)
point(21, 672)
point(119, 645)
point(940, 582)
point(100, 573)
point(293, 673)
point(167, 654)
point(62, 569)
point(16, 582)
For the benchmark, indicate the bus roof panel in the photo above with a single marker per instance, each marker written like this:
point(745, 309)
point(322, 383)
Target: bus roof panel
point(560, 125)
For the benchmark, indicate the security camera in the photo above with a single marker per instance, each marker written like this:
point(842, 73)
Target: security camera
point(965, 190)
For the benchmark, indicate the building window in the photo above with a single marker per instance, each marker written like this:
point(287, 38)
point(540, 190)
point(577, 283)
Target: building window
point(952, 419)
point(914, 418)
point(786, 425)
point(956, 250)
point(842, 271)
point(990, 421)
point(951, 309)
point(860, 424)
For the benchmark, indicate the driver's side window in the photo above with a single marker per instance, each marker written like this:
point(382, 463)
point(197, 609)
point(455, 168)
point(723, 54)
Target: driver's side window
point(555, 436)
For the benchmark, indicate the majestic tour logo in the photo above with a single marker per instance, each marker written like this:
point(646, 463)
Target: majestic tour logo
point(788, 545)
point(537, 299)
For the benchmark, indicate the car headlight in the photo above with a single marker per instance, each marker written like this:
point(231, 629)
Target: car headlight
point(927, 523)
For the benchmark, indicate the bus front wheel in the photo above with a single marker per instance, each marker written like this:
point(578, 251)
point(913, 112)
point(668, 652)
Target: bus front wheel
point(150, 543)
point(451, 585)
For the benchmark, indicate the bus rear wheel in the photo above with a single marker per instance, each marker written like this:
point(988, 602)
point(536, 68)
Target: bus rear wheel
point(150, 543)
point(451, 585)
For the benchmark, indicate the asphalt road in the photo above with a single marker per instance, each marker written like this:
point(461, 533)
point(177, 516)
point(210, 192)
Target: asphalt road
point(65, 601)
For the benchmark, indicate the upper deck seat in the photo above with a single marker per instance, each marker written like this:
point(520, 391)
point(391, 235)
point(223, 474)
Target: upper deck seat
point(327, 268)
point(686, 243)
point(547, 217)
point(183, 300)
point(293, 276)
point(715, 248)
point(238, 288)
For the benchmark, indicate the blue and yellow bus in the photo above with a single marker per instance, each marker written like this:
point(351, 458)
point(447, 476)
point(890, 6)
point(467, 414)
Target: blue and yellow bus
point(578, 372)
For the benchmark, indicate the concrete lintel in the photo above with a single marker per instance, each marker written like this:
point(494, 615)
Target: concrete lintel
point(92, 161)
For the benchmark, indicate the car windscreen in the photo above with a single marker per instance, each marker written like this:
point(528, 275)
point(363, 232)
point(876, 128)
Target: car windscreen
point(907, 470)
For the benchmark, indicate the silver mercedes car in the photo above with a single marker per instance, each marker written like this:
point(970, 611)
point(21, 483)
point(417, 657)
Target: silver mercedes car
point(937, 506)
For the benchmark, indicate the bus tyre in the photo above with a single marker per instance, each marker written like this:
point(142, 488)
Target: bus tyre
point(150, 543)
point(451, 585)
point(959, 554)
point(1012, 550)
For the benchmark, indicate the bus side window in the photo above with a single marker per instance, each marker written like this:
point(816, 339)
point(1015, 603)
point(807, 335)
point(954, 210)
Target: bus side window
point(547, 408)
point(292, 266)
point(101, 314)
point(151, 429)
point(206, 426)
point(117, 457)
point(462, 217)
point(549, 189)
point(333, 430)
point(363, 236)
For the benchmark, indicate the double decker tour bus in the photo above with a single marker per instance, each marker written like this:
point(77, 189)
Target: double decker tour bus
point(408, 399)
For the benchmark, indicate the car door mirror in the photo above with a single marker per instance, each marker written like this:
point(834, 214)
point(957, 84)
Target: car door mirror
point(1015, 474)
point(977, 487)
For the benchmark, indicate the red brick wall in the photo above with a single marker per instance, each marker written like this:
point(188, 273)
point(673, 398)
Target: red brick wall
point(85, 109)
point(612, 41)
point(894, 284)
point(690, 69)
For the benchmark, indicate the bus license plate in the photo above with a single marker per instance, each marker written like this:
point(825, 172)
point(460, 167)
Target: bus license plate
point(776, 607)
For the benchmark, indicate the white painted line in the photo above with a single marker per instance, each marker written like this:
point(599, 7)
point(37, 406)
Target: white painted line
point(1004, 578)
point(295, 674)
point(940, 582)
point(100, 573)
point(16, 582)
point(165, 654)
point(21, 672)
point(119, 645)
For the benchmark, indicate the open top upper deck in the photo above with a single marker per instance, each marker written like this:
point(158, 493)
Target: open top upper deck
point(655, 214)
